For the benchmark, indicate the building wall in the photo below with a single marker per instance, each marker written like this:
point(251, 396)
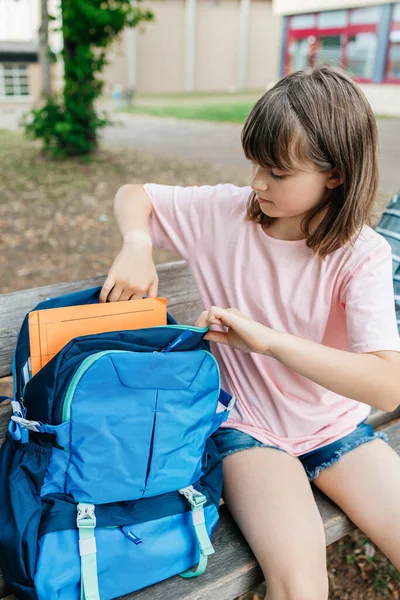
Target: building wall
point(116, 71)
point(217, 48)
point(161, 48)
point(291, 7)
point(34, 81)
point(263, 62)
point(19, 21)
point(384, 98)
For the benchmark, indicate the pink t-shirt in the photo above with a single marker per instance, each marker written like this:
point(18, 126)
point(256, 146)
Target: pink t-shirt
point(344, 301)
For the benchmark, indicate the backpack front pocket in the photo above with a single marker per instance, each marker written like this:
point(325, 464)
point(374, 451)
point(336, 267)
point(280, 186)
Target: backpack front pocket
point(138, 423)
point(111, 433)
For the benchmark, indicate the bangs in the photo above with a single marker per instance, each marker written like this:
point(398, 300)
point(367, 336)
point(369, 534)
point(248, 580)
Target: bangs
point(272, 136)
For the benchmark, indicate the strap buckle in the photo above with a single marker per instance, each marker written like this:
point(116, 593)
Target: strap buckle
point(85, 518)
point(195, 498)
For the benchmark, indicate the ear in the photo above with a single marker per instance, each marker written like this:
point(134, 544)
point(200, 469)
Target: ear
point(334, 180)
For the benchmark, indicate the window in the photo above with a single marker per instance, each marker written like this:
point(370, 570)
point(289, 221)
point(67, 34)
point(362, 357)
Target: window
point(393, 56)
point(332, 18)
point(299, 54)
point(371, 14)
point(14, 80)
point(347, 38)
point(361, 51)
point(302, 21)
point(328, 50)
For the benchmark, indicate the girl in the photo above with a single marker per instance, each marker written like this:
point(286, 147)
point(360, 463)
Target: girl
point(311, 343)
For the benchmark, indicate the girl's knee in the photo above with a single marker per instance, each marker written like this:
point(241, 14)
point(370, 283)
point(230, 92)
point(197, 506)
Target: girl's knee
point(299, 587)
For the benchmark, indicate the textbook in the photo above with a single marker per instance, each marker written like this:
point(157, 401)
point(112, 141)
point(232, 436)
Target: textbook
point(51, 329)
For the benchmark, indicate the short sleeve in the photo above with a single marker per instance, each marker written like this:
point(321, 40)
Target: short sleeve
point(185, 217)
point(369, 301)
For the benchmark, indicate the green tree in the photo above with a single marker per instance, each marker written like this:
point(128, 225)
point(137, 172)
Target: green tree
point(68, 123)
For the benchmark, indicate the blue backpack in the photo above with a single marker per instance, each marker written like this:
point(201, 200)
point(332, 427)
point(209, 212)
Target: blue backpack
point(109, 479)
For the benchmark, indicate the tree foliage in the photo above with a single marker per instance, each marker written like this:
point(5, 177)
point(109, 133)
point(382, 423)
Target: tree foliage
point(68, 123)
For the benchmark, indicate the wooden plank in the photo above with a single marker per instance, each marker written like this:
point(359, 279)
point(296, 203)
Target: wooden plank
point(4, 588)
point(379, 418)
point(5, 415)
point(176, 284)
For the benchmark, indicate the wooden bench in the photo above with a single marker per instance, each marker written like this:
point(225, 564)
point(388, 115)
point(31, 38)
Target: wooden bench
point(233, 569)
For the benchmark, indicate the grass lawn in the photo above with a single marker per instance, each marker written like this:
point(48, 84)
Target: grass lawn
point(234, 112)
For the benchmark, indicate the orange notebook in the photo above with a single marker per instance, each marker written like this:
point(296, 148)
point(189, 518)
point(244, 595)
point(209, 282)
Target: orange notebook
point(51, 329)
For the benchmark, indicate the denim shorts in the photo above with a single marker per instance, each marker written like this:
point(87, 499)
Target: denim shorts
point(229, 441)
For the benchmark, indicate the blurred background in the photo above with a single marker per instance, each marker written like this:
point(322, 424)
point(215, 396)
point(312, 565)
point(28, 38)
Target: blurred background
point(177, 79)
point(220, 46)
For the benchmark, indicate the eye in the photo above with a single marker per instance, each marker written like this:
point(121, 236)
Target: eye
point(278, 177)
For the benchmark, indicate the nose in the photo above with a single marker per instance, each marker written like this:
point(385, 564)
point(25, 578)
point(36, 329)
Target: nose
point(259, 182)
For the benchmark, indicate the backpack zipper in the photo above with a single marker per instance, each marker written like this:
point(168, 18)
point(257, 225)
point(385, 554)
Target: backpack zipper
point(90, 360)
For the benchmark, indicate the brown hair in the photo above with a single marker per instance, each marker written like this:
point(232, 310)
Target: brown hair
point(319, 115)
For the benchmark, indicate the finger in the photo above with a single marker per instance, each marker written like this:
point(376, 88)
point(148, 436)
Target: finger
point(220, 337)
point(137, 295)
point(106, 289)
point(153, 289)
point(202, 319)
point(115, 294)
point(126, 294)
point(222, 315)
point(206, 319)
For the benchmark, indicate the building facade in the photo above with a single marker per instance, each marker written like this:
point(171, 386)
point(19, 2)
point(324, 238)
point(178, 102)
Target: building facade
point(19, 72)
point(20, 78)
point(222, 45)
point(192, 45)
point(363, 37)
point(200, 45)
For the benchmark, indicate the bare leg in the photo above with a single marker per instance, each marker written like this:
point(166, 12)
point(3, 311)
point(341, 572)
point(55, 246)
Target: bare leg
point(365, 483)
point(269, 496)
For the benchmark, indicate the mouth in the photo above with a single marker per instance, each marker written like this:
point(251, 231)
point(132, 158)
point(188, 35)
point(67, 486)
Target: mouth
point(263, 201)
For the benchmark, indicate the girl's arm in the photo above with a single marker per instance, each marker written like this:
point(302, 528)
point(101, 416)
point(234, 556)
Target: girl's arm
point(133, 274)
point(372, 378)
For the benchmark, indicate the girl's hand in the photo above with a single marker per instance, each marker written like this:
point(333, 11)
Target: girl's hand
point(242, 332)
point(133, 274)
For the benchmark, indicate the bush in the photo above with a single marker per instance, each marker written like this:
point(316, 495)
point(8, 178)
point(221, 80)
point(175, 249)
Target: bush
point(68, 123)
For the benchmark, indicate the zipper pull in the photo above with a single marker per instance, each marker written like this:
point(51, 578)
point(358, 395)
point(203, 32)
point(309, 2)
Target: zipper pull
point(131, 536)
point(178, 341)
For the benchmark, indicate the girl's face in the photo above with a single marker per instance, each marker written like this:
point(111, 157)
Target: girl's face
point(294, 193)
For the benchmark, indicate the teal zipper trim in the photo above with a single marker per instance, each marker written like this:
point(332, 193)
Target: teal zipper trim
point(189, 327)
point(90, 360)
point(84, 366)
point(218, 369)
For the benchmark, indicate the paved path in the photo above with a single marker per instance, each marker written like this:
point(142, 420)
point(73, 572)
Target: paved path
point(190, 140)
point(216, 142)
